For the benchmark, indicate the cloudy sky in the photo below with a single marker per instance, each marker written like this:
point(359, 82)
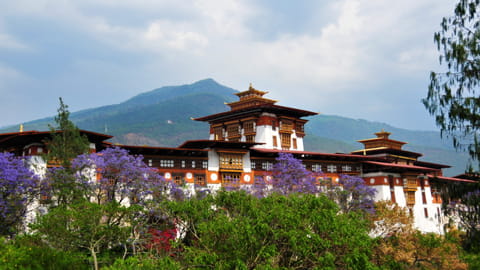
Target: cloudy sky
point(366, 59)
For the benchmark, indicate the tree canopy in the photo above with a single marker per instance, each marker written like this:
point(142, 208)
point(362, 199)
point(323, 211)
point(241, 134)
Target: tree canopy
point(18, 187)
point(453, 94)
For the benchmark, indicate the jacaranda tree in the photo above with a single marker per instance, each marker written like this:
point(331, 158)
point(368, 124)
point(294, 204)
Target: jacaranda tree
point(115, 175)
point(116, 188)
point(18, 187)
point(354, 195)
point(290, 176)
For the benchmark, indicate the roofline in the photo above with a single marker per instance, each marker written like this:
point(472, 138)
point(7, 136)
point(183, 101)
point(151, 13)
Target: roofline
point(156, 147)
point(381, 139)
point(264, 150)
point(260, 108)
point(451, 179)
point(395, 165)
point(433, 164)
point(210, 143)
point(386, 148)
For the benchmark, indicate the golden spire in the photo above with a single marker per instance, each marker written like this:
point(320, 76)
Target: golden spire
point(21, 127)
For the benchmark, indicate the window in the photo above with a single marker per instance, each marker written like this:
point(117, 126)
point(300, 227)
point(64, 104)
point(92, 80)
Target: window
point(200, 181)
point(299, 127)
point(286, 125)
point(178, 180)
point(294, 141)
point(331, 168)
point(193, 164)
point(249, 127)
point(204, 164)
point(425, 210)
point(316, 168)
point(392, 188)
point(286, 140)
point(231, 161)
point(252, 165)
point(250, 138)
point(259, 181)
point(183, 163)
point(267, 166)
point(166, 163)
point(150, 163)
point(232, 131)
point(274, 125)
point(274, 139)
point(346, 168)
point(218, 133)
point(230, 179)
point(410, 197)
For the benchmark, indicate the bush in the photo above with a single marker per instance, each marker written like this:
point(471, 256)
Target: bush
point(27, 252)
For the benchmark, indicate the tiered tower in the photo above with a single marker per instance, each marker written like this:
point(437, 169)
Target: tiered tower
point(254, 118)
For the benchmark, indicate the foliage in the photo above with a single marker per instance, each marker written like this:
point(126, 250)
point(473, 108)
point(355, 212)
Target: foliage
point(66, 142)
point(289, 175)
point(390, 219)
point(114, 188)
point(414, 250)
point(118, 176)
point(27, 252)
point(85, 226)
point(400, 246)
point(352, 194)
point(64, 145)
point(18, 187)
point(453, 95)
point(144, 262)
point(238, 230)
point(467, 209)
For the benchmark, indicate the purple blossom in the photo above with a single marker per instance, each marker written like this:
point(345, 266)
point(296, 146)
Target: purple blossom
point(355, 194)
point(119, 176)
point(289, 175)
point(18, 187)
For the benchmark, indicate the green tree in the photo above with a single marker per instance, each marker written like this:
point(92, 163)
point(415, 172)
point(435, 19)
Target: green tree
point(65, 143)
point(453, 96)
point(85, 226)
point(235, 230)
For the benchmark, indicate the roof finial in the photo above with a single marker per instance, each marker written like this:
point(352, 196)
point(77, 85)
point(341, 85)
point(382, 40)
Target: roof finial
point(21, 127)
point(250, 87)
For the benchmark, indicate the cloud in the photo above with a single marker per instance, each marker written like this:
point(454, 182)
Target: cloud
point(9, 42)
point(334, 54)
point(8, 74)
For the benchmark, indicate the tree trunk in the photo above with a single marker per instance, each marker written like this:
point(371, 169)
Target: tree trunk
point(94, 256)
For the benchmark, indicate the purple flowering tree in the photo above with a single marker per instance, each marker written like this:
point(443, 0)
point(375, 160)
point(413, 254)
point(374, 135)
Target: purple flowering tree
point(18, 188)
point(352, 194)
point(115, 175)
point(119, 192)
point(289, 176)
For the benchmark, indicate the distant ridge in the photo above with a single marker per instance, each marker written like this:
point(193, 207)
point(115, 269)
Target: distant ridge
point(162, 117)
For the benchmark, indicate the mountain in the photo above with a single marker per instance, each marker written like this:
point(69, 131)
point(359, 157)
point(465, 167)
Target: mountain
point(162, 117)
